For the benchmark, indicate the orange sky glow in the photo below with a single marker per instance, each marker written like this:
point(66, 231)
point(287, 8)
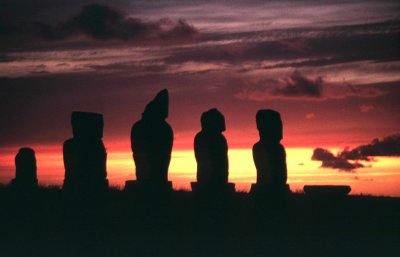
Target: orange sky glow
point(381, 178)
point(331, 69)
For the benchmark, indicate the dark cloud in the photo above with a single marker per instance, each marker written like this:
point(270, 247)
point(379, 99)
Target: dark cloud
point(293, 47)
point(101, 22)
point(133, 68)
point(388, 146)
point(301, 47)
point(5, 58)
point(341, 91)
point(298, 86)
point(329, 160)
point(348, 160)
point(318, 62)
point(239, 52)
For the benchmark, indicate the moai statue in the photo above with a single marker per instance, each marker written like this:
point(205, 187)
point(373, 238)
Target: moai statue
point(211, 152)
point(211, 149)
point(85, 155)
point(25, 167)
point(268, 153)
point(151, 141)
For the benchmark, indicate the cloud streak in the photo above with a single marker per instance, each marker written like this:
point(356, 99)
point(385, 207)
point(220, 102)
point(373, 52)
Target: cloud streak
point(101, 22)
point(299, 86)
point(316, 47)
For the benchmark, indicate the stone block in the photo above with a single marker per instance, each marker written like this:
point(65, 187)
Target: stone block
point(327, 190)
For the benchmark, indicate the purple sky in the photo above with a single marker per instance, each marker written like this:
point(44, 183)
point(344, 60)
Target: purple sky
point(331, 69)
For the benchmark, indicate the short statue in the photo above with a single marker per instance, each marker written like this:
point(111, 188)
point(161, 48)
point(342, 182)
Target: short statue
point(25, 169)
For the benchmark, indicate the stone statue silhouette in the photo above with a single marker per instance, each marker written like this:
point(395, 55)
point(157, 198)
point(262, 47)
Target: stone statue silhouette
point(25, 168)
point(268, 153)
point(85, 156)
point(151, 141)
point(211, 149)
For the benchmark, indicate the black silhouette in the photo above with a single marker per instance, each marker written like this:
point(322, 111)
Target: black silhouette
point(151, 141)
point(25, 169)
point(268, 153)
point(211, 152)
point(124, 226)
point(325, 191)
point(85, 155)
point(211, 149)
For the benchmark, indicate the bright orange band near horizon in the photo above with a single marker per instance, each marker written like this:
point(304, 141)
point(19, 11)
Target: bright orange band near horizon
point(380, 178)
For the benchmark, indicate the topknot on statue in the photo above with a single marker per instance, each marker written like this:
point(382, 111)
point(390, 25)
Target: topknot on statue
point(157, 109)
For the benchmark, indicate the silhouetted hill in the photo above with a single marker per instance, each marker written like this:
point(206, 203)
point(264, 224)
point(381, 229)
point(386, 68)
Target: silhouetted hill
point(48, 222)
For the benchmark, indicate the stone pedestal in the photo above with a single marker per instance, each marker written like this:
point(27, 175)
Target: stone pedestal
point(212, 188)
point(24, 184)
point(77, 185)
point(269, 196)
point(266, 190)
point(327, 190)
point(213, 196)
point(148, 187)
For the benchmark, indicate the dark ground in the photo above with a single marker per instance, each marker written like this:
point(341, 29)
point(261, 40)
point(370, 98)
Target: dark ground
point(49, 222)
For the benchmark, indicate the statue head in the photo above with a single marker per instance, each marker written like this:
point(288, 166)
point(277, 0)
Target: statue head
point(87, 125)
point(269, 124)
point(25, 162)
point(213, 121)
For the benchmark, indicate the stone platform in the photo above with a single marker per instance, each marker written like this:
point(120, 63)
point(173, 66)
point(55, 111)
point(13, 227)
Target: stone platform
point(211, 188)
point(147, 186)
point(327, 190)
point(261, 189)
point(22, 184)
point(92, 186)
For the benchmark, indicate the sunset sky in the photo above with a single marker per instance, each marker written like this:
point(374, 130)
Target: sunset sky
point(331, 68)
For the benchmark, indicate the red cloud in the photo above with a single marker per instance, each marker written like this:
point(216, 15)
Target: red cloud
point(298, 86)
